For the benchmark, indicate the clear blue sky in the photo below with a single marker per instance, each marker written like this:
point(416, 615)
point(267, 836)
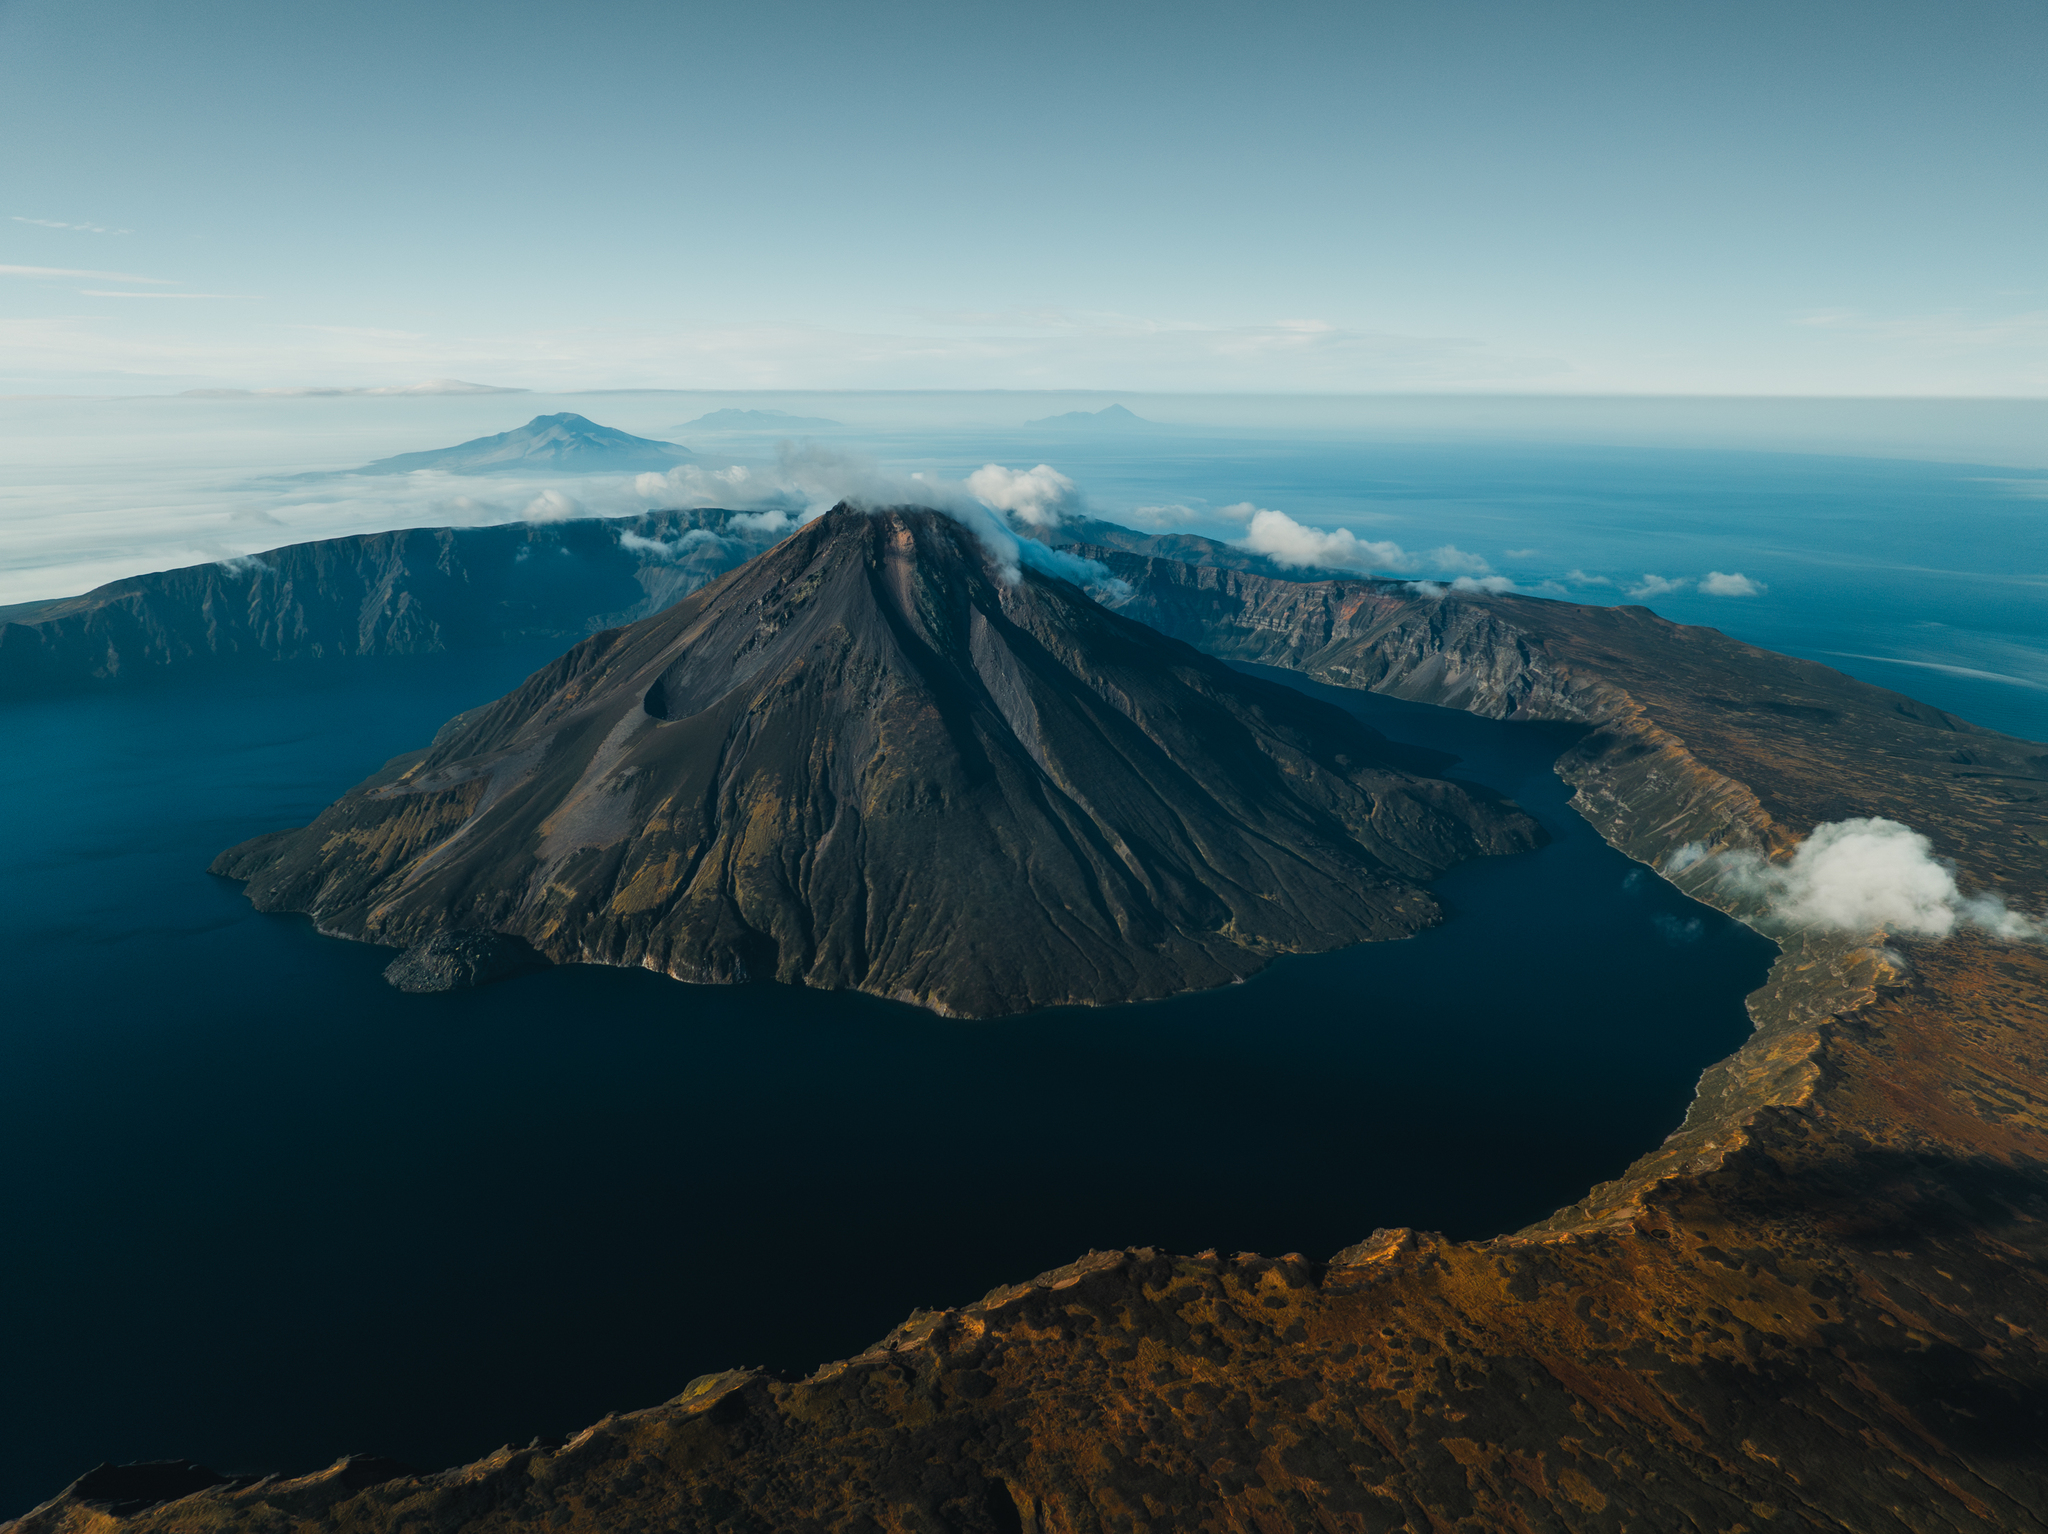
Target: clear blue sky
point(1742, 197)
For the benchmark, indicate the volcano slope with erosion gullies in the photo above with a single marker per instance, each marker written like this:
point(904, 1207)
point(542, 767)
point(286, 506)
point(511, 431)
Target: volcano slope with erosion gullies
point(1820, 1306)
point(873, 759)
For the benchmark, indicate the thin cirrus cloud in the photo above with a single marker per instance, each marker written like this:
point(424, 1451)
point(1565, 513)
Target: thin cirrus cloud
point(56, 223)
point(79, 274)
point(74, 274)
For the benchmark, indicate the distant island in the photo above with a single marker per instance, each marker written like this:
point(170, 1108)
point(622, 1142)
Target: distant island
point(565, 443)
point(1112, 416)
point(756, 420)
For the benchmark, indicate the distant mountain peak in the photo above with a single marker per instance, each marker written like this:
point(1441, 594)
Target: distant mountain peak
point(1108, 415)
point(562, 443)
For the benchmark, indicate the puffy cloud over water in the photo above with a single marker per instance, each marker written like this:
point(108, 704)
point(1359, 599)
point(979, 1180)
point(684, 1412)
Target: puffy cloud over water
point(1862, 876)
point(1288, 542)
point(1716, 584)
point(1655, 586)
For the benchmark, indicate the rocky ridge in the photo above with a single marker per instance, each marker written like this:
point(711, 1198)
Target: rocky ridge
point(397, 593)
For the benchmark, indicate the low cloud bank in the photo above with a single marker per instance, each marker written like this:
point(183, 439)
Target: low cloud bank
point(767, 522)
point(1481, 585)
point(1861, 876)
point(805, 481)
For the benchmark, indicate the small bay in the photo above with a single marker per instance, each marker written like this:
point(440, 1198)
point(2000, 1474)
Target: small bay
point(265, 1210)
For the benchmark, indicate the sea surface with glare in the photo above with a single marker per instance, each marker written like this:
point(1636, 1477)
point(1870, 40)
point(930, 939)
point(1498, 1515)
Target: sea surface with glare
point(263, 1210)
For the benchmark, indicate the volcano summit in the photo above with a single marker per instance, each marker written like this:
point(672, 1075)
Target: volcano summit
point(869, 759)
point(564, 443)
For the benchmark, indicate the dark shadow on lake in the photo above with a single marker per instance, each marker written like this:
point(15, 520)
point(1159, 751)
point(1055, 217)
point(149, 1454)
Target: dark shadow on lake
point(261, 1209)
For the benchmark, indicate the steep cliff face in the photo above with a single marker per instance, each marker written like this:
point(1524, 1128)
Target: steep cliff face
point(396, 593)
point(1695, 738)
point(866, 760)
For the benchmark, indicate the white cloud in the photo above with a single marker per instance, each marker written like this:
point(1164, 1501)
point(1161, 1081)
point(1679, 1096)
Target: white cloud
point(1716, 584)
point(1656, 586)
point(1863, 876)
point(1520, 553)
point(113, 293)
point(807, 480)
point(552, 506)
point(84, 276)
point(1581, 578)
point(51, 223)
point(1286, 541)
point(1480, 585)
point(1037, 497)
point(663, 550)
point(1453, 560)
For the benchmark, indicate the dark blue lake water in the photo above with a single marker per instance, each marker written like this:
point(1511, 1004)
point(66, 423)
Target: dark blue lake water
point(261, 1209)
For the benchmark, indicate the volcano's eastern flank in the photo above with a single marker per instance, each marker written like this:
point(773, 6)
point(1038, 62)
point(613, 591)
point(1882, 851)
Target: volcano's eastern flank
point(866, 760)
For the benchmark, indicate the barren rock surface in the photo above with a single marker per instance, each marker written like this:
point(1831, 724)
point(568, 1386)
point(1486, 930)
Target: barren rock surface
point(868, 760)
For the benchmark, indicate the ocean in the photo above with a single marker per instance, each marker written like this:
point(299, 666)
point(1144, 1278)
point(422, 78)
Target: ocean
point(1903, 542)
